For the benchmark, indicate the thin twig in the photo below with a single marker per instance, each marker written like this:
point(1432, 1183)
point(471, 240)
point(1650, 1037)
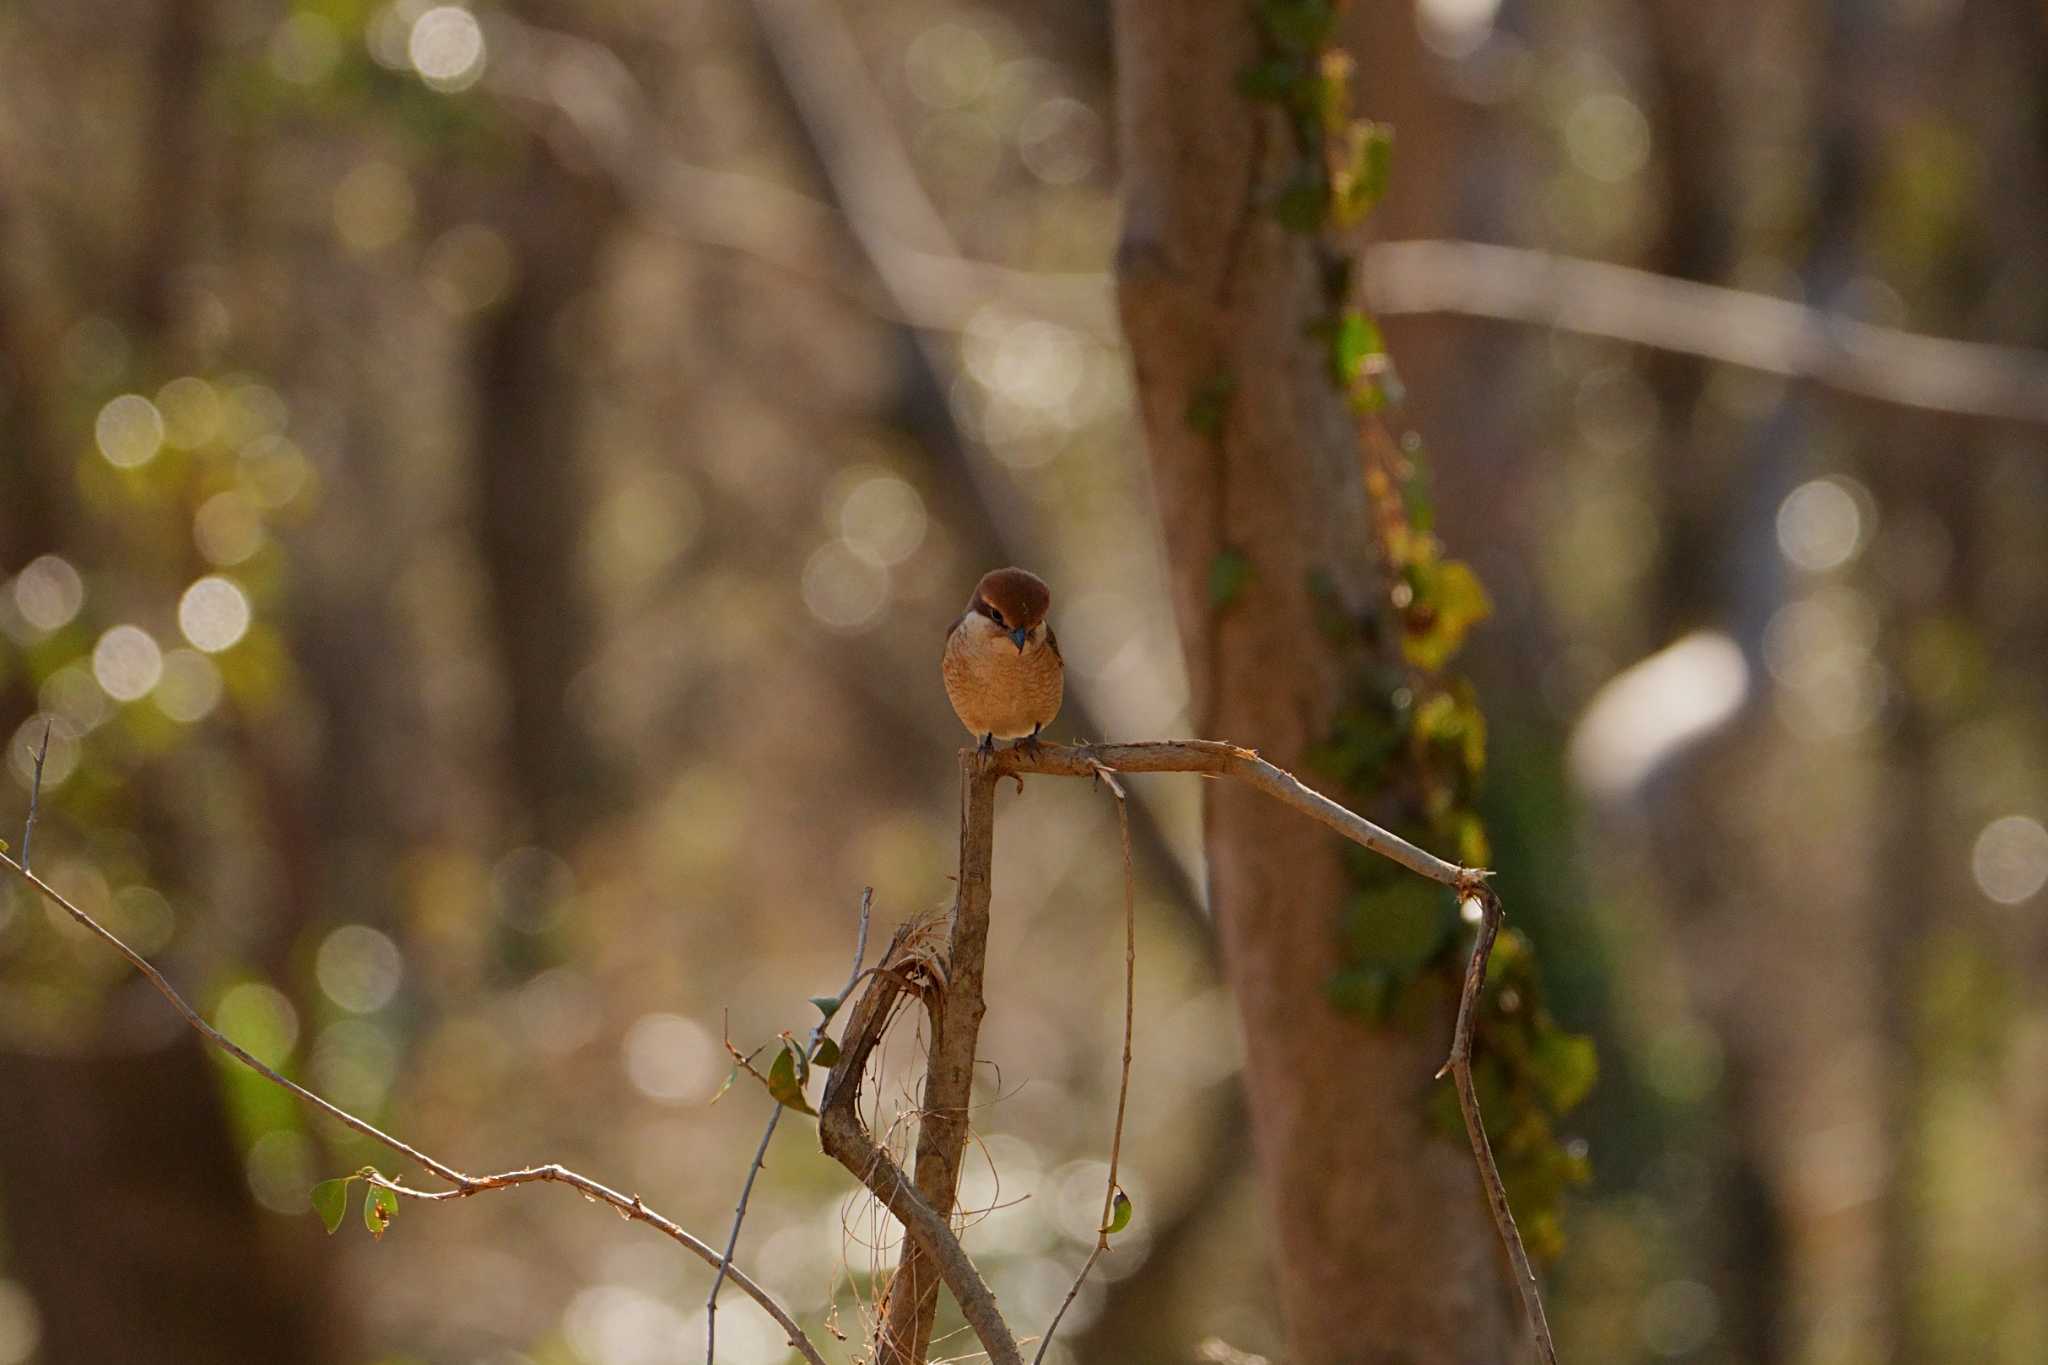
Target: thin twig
point(1460, 1067)
point(739, 1213)
point(1228, 760)
point(35, 792)
point(628, 1206)
point(1123, 1093)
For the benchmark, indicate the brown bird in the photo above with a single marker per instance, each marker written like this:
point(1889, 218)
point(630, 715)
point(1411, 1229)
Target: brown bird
point(1002, 666)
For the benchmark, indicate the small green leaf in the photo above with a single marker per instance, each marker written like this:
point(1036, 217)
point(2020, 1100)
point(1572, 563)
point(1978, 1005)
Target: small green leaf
point(828, 1005)
point(330, 1201)
point(1448, 601)
point(1119, 1213)
point(1229, 571)
point(1355, 340)
point(380, 1206)
point(827, 1054)
point(725, 1085)
point(783, 1084)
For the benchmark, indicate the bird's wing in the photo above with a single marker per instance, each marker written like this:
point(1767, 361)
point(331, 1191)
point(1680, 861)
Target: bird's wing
point(1052, 642)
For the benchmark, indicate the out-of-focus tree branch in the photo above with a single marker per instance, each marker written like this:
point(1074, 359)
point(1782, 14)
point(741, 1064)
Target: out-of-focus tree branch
point(465, 1186)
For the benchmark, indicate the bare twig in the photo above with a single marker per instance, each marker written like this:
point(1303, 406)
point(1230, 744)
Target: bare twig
point(628, 1206)
point(35, 793)
point(1460, 1067)
point(1123, 1093)
point(739, 1213)
point(1219, 759)
point(1755, 331)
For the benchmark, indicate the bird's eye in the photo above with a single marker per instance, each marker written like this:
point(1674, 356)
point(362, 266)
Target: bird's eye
point(995, 616)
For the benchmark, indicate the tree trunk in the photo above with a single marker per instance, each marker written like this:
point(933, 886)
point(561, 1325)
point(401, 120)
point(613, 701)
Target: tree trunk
point(1384, 1249)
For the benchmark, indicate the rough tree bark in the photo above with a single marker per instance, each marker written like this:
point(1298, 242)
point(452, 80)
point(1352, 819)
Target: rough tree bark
point(1384, 1248)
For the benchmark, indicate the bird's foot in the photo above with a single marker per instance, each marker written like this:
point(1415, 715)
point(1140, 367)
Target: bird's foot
point(1029, 744)
point(987, 747)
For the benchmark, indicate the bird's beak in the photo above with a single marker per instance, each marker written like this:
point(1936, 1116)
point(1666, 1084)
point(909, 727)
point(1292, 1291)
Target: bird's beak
point(1020, 635)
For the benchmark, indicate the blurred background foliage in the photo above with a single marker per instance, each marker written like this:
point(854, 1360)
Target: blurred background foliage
point(478, 516)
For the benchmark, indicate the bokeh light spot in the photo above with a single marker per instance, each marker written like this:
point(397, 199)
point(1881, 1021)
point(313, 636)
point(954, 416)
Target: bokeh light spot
point(129, 431)
point(1820, 525)
point(228, 528)
point(842, 589)
point(190, 687)
point(2010, 859)
point(280, 1170)
point(259, 1018)
point(1608, 137)
point(373, 206)
point(671, 1059)
point(127, 663)
point(62, 759)
point(48, 593)
point(882, 519)
point(359, 968)
point(446, 47)
point(191, 409)
point(214, 614)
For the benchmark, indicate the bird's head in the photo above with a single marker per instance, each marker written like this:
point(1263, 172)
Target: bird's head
point(1015, 600)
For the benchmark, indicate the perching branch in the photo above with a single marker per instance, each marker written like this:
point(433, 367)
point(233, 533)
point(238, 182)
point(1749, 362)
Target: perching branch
point(628, 1206)
point(739, 1213)
point(909, 1307)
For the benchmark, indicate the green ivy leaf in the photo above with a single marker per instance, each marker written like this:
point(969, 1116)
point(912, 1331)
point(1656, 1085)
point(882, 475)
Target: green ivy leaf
point(827, 1054)
point(828, 1005)
point(1119, 1213)
point(783, 1084)
point(1448, 601)
point(1355, 340)
point(380, 1206)
point(330, 1201)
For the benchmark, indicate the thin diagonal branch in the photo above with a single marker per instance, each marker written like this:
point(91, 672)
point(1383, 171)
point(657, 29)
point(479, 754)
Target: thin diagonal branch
point(35, 794)
point(1218, 759)
point(1460, 1067)
point(628, 1206)
point(739, 1213)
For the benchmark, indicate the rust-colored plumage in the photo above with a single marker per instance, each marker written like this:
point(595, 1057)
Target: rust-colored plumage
point(1002, 664)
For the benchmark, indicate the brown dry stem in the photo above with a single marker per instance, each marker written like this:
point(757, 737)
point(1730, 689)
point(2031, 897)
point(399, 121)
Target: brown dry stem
point(628, 1206)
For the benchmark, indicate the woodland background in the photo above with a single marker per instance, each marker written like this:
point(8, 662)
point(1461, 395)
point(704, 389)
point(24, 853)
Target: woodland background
point(481, 528)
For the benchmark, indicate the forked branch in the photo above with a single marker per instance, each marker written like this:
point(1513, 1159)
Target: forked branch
point(465, 1186)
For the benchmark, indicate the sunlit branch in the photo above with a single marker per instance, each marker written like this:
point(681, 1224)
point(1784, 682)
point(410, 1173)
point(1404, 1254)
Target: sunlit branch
point(465, 1186)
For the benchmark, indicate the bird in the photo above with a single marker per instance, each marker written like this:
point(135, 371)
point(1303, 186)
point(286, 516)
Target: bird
point(1002, 664)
